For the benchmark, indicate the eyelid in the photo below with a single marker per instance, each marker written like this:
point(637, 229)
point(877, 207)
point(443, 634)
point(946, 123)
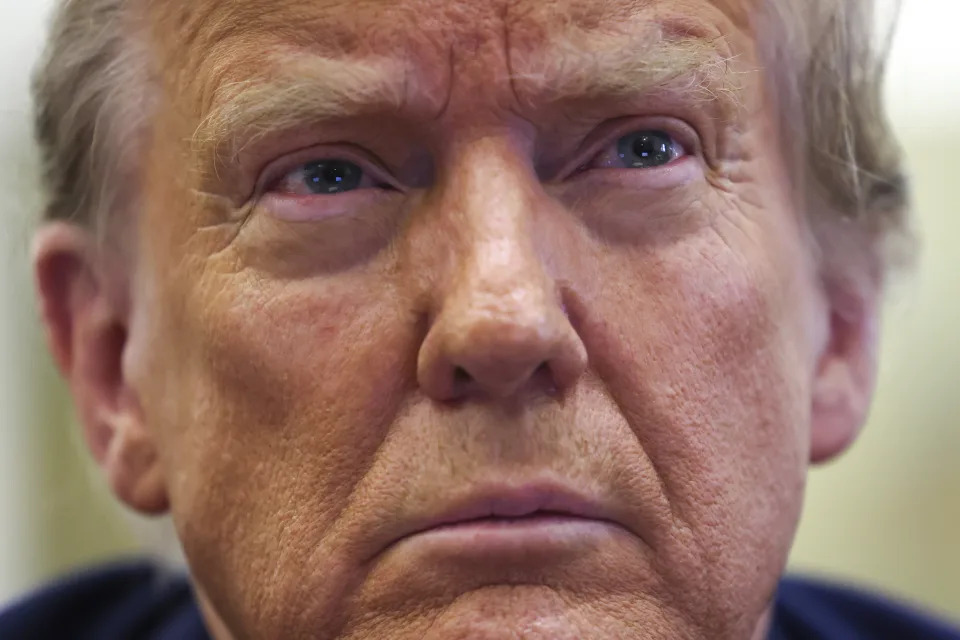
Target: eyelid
point(609, 132)
point(277, 170)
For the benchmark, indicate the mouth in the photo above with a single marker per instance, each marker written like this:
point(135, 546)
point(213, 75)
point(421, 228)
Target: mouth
point(537, 517)
point(519, 502)
point(539, 513)
point(496, 519)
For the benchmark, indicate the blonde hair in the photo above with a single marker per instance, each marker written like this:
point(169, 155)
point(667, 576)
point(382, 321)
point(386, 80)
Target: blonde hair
point(825, 63)
point(826, 60)
point(91, 110)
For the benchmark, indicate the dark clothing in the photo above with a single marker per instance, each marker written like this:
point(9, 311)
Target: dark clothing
point(823, 611)
point(126, 601)
point(138, 601)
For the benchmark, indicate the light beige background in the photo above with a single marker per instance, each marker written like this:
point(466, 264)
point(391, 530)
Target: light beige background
point(887, 514)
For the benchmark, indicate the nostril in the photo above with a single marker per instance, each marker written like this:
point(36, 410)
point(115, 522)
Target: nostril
point(461, 376)
point(544, 376)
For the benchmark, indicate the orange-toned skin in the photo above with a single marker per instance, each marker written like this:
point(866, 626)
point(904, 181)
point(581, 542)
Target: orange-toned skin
point(294, 390)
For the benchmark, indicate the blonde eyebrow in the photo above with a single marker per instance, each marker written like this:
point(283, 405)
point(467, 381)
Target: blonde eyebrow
point(300, 89)
point(626, 64)
point(303, 89)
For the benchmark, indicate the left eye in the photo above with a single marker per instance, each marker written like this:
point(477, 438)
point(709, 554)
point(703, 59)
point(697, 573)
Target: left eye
point(640, 150)
point(324, 177)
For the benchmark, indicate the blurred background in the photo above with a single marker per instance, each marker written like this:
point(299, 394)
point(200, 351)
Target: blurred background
point(887, 514)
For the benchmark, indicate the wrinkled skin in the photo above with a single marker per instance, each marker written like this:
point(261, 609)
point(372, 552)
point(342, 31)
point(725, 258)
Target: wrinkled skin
point(294, 390)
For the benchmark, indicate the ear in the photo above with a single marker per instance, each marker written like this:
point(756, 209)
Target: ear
point(846, 369)
point(84, 310)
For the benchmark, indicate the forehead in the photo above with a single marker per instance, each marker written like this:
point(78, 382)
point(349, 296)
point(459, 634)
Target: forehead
point(350, 25)
point(226, 34)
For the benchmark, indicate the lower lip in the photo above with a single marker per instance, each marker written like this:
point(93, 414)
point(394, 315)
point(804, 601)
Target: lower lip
point(531, 534)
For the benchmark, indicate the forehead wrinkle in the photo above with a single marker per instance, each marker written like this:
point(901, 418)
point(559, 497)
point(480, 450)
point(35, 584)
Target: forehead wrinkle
point(299, 90)
point(642, 54)
point(605, 64)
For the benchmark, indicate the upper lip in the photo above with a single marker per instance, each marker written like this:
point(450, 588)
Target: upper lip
point(514, 501)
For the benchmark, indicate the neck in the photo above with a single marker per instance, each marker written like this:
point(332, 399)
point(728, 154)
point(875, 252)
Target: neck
point(762, 630)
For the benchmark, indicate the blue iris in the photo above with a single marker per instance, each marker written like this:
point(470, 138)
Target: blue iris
point(644, 149)
point(332, 176)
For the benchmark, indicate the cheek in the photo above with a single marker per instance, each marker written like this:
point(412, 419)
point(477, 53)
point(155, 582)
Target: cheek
point(700, 346)
point(292, 364)
point(273, 381)
point(714, 336)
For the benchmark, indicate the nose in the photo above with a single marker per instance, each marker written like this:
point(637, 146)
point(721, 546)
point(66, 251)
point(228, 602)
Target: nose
point(501, 327)
point(498, 341)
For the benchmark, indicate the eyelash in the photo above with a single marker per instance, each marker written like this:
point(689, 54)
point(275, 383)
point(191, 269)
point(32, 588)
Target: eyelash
point(684, 140)
point(280, 171)
point(685, 137)
point(607, 159)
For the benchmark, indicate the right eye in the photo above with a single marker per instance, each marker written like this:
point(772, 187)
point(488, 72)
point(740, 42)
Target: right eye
point(330, 176)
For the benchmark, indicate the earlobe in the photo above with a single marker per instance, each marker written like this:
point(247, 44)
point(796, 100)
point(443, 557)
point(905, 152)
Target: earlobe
point(133, 470)
point(846, 374)
point(86, 325)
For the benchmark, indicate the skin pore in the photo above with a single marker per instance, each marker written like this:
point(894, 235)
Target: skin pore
point(497, 299)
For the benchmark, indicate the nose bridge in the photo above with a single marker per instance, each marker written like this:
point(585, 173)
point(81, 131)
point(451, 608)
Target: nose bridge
point(499, 264)
point(500, 323)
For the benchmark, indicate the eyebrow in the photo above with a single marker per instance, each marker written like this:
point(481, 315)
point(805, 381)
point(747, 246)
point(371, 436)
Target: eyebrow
point(609, 65)
point(301, 89)
point(304, 89)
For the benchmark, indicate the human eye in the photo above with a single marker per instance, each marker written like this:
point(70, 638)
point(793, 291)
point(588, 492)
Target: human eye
point(641, 149)
point(324, 182)
point(324, 177)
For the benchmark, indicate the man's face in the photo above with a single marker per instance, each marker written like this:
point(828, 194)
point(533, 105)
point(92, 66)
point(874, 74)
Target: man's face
point(397, 255)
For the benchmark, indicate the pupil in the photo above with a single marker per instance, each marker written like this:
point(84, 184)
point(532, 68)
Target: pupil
point(332, 176)
point(334, 173)
point(646, 149)
point(647, 146)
